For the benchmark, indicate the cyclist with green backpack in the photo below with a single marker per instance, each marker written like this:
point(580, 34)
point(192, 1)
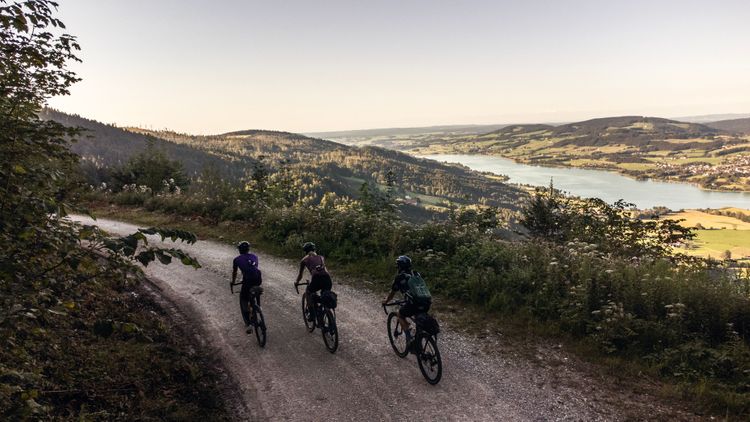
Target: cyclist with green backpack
point(411, 284)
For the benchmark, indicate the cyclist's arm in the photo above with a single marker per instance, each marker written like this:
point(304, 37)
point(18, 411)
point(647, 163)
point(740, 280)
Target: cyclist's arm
point(301, 270)
point(234, 271)
point(390, 296)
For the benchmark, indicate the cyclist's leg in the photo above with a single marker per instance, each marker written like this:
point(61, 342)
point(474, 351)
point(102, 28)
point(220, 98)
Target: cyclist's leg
point(407, 310)
point(244, 304)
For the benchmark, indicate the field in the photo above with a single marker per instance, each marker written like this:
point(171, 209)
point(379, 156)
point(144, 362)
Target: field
point(717, 234)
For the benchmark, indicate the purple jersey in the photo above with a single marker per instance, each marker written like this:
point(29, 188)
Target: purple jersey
point(248, 264)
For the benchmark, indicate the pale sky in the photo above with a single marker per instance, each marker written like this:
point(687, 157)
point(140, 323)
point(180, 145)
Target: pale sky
point(304, 66)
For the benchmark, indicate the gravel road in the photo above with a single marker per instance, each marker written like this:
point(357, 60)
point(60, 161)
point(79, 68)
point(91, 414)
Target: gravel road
point(295, 378)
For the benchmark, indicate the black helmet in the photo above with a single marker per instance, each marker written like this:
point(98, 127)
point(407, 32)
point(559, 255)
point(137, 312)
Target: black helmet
point(308, 247)
point(404, 263)
point(244, 246)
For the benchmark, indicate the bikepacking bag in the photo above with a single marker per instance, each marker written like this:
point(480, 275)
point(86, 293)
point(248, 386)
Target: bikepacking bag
point(427, 323)
point(329, 299)
point(418, 291)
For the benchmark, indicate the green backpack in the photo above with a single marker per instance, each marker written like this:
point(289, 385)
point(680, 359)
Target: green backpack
point(418, 291)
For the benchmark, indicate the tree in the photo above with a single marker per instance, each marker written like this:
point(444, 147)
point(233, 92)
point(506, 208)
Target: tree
point(153, 169)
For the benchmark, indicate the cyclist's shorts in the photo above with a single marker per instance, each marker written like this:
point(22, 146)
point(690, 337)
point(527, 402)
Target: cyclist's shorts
point(410, 309)
point(320, 282)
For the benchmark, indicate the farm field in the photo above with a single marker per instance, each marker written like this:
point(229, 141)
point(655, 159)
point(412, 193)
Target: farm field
point(717, 234)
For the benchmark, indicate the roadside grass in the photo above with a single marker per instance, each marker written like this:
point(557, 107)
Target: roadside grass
point(110, 353)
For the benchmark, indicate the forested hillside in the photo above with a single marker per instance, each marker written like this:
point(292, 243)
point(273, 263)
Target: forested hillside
point(423, 188)
point(101, 145)
point(346, 168)
point(732, 125)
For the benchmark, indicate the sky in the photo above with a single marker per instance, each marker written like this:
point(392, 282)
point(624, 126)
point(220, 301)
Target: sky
point(208, 67)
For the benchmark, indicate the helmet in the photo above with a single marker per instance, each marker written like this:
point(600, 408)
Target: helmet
point(403, 262)
point(244, 246)
point(308, 247)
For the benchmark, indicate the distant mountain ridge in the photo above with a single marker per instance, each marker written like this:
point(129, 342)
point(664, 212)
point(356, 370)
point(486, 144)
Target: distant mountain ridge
point(107, 146)
point(625, 130)
point(732, 125)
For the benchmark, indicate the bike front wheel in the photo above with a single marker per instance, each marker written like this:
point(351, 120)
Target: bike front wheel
point(396, 335)
point(428, 357)
point(310, 325)
point(260, 327)
point(330, 331)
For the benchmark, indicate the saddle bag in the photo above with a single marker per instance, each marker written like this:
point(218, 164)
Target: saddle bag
point(427, 323)
point(329, 299)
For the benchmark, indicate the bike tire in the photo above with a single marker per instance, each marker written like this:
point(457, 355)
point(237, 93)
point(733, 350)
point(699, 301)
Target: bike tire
point(330, 331)
point(428, 357)
point(260, 328)
point(396, 336)
point(310, 325)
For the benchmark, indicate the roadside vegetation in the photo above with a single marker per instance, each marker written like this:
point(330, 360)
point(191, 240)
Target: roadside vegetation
point(77, 340)
point(585, 269)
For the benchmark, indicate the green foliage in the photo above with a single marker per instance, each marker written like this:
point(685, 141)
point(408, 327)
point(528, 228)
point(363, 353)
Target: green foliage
point(151, 169)
point(615, 229)
point(48, 265)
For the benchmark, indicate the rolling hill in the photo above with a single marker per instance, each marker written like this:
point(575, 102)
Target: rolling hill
point(644, 147)
point(425, 187)
point(732, 125)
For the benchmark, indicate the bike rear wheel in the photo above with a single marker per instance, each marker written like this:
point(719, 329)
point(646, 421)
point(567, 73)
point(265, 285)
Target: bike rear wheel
point(330, 331)
point(310, 325)
point(260, 327)
point(428, 357)
point(396, 335)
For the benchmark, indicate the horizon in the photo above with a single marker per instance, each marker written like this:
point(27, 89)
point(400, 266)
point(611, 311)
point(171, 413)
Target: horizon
point(335, 66)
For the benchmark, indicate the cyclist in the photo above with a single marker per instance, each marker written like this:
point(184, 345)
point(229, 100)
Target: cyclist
point(251, 276)
point(412, 306)
point(320, 279)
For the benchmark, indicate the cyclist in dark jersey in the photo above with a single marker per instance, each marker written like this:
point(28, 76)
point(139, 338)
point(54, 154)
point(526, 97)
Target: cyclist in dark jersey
point(408, 309)
point(251, 276)
point(320, 279)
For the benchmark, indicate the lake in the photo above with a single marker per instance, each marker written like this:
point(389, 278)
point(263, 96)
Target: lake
point(606, 185)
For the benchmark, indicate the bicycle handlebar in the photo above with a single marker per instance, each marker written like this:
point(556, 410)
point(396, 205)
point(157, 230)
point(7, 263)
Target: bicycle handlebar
point(296, 285)
point(231, 286)
point(396, 303)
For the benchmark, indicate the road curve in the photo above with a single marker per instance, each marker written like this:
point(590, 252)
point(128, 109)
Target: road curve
point(295, 378)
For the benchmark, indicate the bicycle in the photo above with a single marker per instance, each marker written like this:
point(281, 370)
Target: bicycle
point(324, 317)
point(423, 344)
point(256, 319)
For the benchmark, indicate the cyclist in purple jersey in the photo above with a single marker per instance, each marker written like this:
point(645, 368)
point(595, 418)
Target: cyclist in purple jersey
point(251, 276)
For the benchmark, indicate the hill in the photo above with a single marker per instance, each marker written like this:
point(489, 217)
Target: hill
point(733, 125)
point(343, 169)
point(643, 147)
point(424, 187)
point(102, 145)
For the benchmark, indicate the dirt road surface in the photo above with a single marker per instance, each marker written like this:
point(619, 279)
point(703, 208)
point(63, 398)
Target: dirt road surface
point(295, 378)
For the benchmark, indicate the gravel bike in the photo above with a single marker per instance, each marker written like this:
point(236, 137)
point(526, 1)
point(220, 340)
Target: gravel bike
point(423, 344)
point(323, 316)
point(256, 319)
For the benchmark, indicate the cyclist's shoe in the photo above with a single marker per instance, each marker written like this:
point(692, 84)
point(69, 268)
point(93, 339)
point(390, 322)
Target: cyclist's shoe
point(249, 329)
point(310, 316)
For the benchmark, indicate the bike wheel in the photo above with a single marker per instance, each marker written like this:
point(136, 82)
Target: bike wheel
point(396, 335)
point(310, 325)
point(330, 332)
point(428, 357)
point(260, 327)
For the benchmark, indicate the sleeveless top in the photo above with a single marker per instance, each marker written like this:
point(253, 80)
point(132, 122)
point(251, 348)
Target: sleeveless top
point(315, 264)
